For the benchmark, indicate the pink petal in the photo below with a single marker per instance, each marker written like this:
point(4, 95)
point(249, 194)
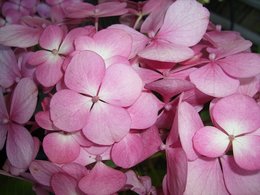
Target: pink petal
point(246, 151)
point(19, 146)
point(121, 85)
point(205, 177)
point(64, 184)
point(237, 180)
point(210, 142)
point(50, 72)
point(177, 167)
point(241, 65)
point(138, 39)
point(60, 148)
point(39, 57)
point(19, 36)
point(184, 27)
point(127, 152)
point(189, 123)
point(85, 72)
point(44, 121)
point(23, 101)
point(211, 80)
point(43, 170)
point(166, 52)
point(107, 124)
point(234, 119)
point(51, 37)
point(9, 68)
point(144, 111)
point(102, 180)
point(69, 110)
point(106, 9)
point(169, 87)
point(75, 170)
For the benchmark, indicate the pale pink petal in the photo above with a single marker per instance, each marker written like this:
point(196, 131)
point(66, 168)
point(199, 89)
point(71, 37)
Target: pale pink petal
point(51, 37)
point(85, 72)
point(232, 113)
point(50, 72)
point(121, 85)
point(69, 110)
point(9, 67)
point(166, 52)
point(239, 181)
point(64, 184)
point(211, 80)
point(24, 101)
point(211, 142)
point(43, 170)
point(75, 170)
point(177, 167)
point(97, 149)
point(107, 9)
point(169, 87)
point(246, 151)
point(19, 36)
point(127, 152)
point(102, 180)
point(189, 123)
point(107, 124)
point(116, 60)
point(249, 86)
point(205, 177)
point(86, 43)
point(60, 148)
point(144, 111)
point(242, 65)
point(81, 139)
point(184, 27)
point(139, 40)
point(148, 75)
point(85, 158)
point(67, 45)
point(19, 146)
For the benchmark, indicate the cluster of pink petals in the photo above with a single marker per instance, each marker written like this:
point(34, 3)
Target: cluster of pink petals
point(83, 104)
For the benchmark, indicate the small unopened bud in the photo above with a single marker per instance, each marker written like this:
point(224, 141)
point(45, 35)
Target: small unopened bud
point(95, 99)
point(55, 52)
point(212, 56)
point(231, 137)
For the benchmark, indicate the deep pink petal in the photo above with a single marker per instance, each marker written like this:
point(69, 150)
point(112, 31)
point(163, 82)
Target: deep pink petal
point(51, 37)
point(107, 124)
point(127, 152)
point(23, 101)
point(232, 113)
point(121, 85)
point(237, 180)
point(69, 110)
point(144, 111)
point(64, 184)
point(60, 148)
point(169, 87)
point(242, 65)
point(107, 9)
point(205, 177)
point(19, 36)
point(166, 52)
point(177, 167)
point(9, 67)
point(210, 142)
point(50, 72)
point(44, 121)
point(43, 170)
point(75, 170)
point(19, 146)
point(39, 57)
point(85, 72)
point(184, 27)
point(246, 151)
point(189, 123)
point(102, 180)
point(211, 80)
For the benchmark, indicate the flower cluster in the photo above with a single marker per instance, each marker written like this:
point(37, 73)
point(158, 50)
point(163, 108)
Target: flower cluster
point(82, 103)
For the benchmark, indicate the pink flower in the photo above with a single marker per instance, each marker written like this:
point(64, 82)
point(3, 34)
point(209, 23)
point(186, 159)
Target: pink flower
point(236, 118)
point(96, 98)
